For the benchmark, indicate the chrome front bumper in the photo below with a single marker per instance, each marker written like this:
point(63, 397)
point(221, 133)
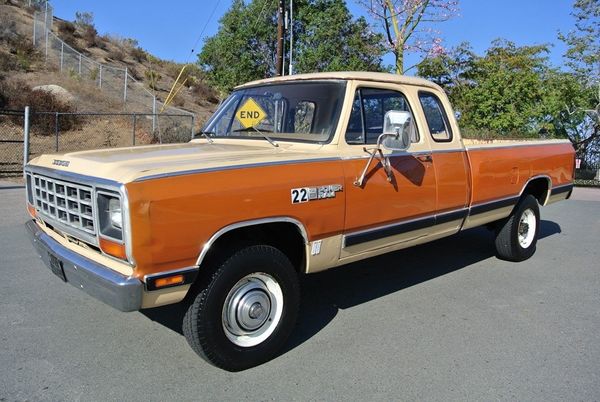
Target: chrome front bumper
point(116, 290)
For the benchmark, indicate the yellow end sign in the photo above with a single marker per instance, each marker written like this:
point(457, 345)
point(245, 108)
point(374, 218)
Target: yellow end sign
point(250, 114)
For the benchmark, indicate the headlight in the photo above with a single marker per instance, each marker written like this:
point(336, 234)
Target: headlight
point(114, 212)
point(110, 215)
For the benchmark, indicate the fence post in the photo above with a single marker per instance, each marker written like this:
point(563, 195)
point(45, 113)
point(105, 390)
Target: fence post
point(153, 113)
point(80, 64)
point(133, 136)
point(193, 123)
point(62, 52)
point(56, 130)
point(125, 87)
point(34, 24)
point(46, 32)
point(100, 77)
point(26, 136)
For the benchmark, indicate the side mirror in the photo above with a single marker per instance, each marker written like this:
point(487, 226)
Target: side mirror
point(396, 130)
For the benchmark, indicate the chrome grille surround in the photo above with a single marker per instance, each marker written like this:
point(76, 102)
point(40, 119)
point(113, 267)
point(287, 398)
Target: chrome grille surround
point(90, 183)
point(67, 205)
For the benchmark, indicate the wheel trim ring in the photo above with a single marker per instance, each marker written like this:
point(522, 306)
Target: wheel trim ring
point(527, 228)
point(236, 312)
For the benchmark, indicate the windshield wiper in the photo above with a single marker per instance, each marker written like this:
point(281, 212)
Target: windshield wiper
point(205, 134)
point(266, 137)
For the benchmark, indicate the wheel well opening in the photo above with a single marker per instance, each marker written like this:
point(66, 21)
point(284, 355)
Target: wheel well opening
point(284, 236)
point(538, 188)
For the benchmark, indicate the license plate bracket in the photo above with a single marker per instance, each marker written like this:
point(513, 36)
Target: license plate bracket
point(56, 267)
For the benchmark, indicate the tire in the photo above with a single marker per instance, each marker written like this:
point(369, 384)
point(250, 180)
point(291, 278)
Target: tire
point(247, 310)
point(516, 237)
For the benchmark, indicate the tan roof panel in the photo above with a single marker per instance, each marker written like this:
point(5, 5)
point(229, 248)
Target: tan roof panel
point(347, 75)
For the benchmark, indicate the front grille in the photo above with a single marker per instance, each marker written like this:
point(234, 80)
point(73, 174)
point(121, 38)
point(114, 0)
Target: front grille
point(67, 203)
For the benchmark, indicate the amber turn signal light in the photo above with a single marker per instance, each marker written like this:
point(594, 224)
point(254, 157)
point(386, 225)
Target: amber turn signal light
point(112, 248)
point(31, 210)
point(169, 281)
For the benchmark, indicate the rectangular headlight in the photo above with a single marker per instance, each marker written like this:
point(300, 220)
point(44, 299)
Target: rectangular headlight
point(110, 215)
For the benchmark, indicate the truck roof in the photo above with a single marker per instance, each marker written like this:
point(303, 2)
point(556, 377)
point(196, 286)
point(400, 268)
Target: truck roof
point(347, 75)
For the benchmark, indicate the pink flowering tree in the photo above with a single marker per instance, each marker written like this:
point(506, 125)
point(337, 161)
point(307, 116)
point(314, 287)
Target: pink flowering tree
point(408, 25)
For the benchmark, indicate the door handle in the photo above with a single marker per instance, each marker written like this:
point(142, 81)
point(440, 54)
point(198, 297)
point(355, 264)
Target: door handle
point(425, 158)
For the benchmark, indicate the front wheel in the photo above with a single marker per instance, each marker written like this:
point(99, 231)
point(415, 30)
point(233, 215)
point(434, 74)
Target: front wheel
point(245, 314)
point(516, 237)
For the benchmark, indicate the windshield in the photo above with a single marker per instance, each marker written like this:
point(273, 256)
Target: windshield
point(294, 111)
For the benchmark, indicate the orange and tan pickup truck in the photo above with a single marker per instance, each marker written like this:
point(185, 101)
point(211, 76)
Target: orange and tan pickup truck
point(290, 176)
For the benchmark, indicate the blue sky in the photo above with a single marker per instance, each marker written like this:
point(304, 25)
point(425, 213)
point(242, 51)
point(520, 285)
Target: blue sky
point(169, 29)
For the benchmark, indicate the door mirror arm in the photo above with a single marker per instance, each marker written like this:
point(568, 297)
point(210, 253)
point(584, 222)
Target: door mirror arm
point(377, 153)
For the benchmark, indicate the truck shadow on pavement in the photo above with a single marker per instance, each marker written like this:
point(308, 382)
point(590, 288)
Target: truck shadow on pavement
point(324, 294)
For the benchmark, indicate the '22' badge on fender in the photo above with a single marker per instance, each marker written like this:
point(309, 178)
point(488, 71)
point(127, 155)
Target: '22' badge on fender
point(305, 194)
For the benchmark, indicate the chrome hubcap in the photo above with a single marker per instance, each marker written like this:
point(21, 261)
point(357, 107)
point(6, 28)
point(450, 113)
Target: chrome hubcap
point(252, 309)
point(526, 230)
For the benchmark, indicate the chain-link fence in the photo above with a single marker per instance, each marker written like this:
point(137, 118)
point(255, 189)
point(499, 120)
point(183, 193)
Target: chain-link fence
point(51, 132)
point(115, 81)
point(587, 174)
point(11, 142)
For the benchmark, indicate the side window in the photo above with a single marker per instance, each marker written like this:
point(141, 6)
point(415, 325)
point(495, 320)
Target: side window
point(304, 116)
point(368, 110)
point(355, 131)
point(437, 121)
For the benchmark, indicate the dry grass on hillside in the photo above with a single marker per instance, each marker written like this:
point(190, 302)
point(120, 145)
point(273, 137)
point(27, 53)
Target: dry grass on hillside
point(154, 74)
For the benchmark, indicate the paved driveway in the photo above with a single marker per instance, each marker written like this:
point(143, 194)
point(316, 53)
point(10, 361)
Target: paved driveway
point(443, 321)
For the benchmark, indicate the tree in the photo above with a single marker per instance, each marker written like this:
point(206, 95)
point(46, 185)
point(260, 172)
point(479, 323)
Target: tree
point(237, 52)
point(407, 25)
point(583, 42)
point(501, 91)
point(583, 57)
point(326, 38)
point(567, 99)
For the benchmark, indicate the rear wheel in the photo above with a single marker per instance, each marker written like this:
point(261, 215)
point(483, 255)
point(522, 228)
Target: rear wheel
point(246, 312)
point(516, 237)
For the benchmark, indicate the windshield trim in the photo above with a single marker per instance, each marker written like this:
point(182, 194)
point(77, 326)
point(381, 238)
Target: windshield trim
point(221, 108)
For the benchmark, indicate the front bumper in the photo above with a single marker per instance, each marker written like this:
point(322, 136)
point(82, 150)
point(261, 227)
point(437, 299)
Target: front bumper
point(116, 290)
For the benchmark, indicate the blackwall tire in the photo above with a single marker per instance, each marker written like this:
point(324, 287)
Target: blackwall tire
point(516, 237)
point(245, 314)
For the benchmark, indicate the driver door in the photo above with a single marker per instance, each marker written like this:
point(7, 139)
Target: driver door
point(382, 213)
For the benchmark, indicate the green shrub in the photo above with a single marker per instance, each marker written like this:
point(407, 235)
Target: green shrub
point(201, 91)
point(116, 54)
point(8, 62)
point(68, 33)
point(138, 54)
point(152, 78)
point(90, 36)
point(84, 19)
point(17, 94)
point(66, 28)
point(154, 60)
point(94, 74)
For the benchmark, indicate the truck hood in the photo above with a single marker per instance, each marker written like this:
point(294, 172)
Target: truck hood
point(124, 165)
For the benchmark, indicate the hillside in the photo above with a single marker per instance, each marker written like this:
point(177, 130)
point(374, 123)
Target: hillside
point(22, 64)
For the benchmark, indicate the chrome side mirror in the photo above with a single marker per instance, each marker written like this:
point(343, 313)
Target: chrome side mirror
point(397, 125)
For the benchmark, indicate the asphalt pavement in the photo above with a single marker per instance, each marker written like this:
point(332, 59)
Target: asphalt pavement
point(443, 321)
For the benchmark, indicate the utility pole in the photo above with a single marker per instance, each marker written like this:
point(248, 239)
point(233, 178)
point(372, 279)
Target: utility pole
point(291, 27)
point(280, 33)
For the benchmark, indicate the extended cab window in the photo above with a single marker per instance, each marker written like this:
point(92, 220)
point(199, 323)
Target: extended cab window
point(368, 110)
point(436, 117)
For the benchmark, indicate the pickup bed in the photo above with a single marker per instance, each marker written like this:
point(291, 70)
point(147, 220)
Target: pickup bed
point(291, 176)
